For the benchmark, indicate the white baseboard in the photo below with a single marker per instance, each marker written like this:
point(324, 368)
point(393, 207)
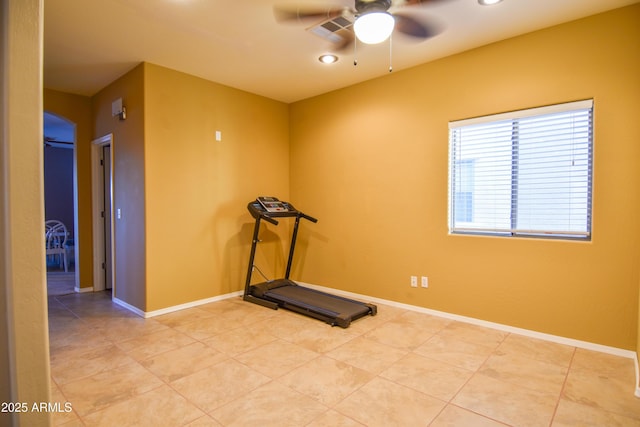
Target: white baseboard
point(129, 307)
point(191, 304)
point(83, 290)
point(149, 314)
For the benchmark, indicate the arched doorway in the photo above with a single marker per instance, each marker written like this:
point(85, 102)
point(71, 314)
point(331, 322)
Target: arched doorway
point(60, 199)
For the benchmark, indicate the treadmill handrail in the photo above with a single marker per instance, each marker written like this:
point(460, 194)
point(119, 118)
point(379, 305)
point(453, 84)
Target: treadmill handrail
point(269, 219)
point(307, 217)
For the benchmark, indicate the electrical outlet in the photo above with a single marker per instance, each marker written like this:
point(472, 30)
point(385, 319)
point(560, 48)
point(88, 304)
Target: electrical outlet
point(414, 281)
point(425, 282)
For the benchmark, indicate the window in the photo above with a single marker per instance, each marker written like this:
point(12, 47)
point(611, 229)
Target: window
point(524, 173)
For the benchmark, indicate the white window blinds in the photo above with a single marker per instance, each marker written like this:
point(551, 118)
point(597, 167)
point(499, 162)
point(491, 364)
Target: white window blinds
point(523, 173)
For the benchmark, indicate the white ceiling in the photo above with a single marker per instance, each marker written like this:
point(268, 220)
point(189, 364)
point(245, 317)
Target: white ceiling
point(90, 43)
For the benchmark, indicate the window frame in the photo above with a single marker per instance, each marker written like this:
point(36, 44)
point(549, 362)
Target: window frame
point(513, 118)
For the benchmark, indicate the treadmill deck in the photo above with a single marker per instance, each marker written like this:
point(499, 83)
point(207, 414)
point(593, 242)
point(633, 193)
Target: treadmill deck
point(332, 309)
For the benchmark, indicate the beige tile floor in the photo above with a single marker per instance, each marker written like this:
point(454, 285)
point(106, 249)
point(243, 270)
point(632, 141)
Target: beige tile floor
point(60, 283)
point(232, 363)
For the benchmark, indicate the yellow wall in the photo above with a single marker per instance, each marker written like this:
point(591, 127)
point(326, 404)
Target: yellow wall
point(370, 161)
point(184, 234)
point(197, 188)
point(77, 109)
point(24, 340)
point(128, 182)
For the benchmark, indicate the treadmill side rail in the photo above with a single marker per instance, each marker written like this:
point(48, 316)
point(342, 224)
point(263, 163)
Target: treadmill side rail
point(261, 302)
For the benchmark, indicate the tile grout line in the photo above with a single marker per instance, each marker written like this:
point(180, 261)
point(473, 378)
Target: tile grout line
point(114, 343)
point(476, 372)
point(564, 384)
point(363, 336)
point(163, 382)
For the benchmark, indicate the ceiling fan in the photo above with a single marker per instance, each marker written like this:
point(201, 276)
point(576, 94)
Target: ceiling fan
point(50, 141)
point(373, 20)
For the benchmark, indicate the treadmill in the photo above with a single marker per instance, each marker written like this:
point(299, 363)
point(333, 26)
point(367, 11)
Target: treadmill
point(287, 294)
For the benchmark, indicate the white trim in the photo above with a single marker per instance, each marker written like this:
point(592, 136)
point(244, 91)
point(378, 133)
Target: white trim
point(129, 307)
point(191, 304)
point(167, 310)
point(80, 290)
point(97, 189)
point(549, 109)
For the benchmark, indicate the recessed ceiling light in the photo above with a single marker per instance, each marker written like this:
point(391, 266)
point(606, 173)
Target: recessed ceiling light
point(488, 2)
point(328, 58)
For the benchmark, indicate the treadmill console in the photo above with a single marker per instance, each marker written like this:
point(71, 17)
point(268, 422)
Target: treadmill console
point(268, 208)
point(272, 204)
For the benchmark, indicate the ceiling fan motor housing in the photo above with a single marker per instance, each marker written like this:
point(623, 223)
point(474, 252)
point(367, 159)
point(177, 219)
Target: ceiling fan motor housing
point(364, 6)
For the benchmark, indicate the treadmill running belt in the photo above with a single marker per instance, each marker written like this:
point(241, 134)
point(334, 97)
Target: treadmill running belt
point(311, 299)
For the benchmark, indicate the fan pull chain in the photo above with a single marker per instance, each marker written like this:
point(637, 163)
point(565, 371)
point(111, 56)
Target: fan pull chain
point(390, 53)
point(355, 51)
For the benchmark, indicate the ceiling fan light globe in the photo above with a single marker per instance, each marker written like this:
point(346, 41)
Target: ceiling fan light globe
point(374, 27)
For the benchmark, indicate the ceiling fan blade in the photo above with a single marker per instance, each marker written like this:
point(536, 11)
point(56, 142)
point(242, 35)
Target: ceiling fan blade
point(301, 14)
point(347, 41)
point(414, 28)
point(53, 142)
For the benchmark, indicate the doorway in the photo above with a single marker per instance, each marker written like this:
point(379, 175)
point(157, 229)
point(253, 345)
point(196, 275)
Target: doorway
point(60, 201)
point(102, 193)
